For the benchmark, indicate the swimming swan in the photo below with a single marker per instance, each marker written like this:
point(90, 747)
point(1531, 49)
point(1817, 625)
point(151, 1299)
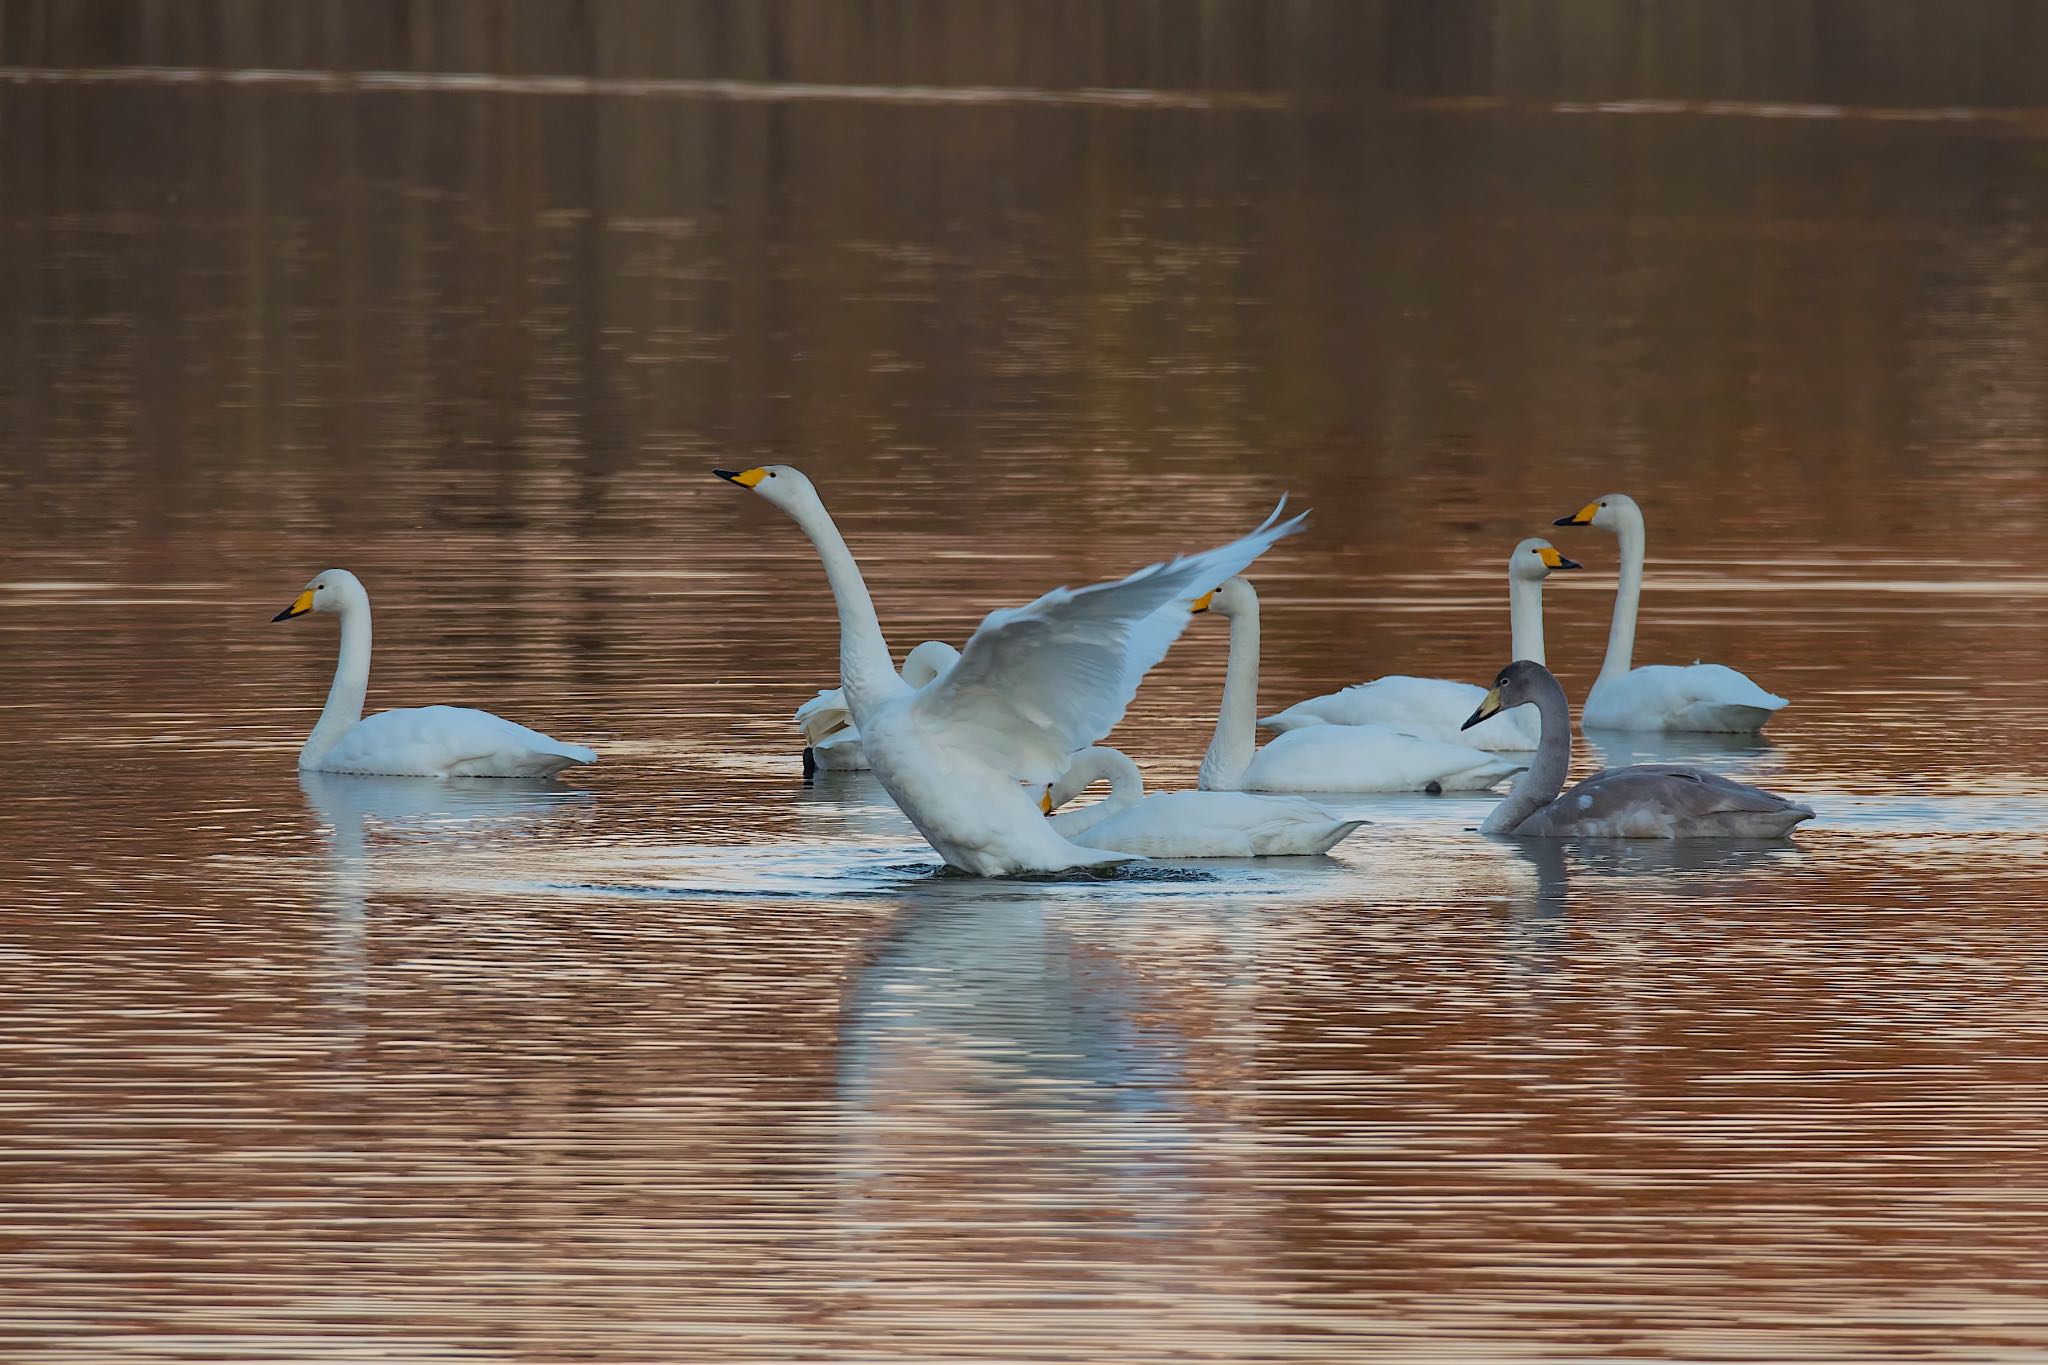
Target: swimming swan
point(832, 740)
point(1647, 801)
point(1658, 696)
point(962, 755)
point(1186, 824)
point(1436, 707)
point(1320, 758)
point(426, 741)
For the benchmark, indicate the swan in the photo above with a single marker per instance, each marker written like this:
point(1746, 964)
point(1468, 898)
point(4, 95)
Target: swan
point(1186, 824)
point(1320, 758)
point(1435, 707)
point(426, 741)
point(1035, 684)
point(1647, 801)
point(1658, 696)
point(832, 740)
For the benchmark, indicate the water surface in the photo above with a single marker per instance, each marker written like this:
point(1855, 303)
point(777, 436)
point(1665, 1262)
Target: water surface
point(684, 1059)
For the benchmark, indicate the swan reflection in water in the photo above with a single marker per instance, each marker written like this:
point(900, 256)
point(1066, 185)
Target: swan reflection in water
point(1722, 753)
point(1021, 1044)
point(422, 813)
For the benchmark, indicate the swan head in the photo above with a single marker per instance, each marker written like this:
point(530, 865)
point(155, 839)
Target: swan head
point(929, 661)
point(1609, 512)
point(332, 590)
point(1536, 558)
point(1520, 683)
point(782, 484)
point(1235, 598)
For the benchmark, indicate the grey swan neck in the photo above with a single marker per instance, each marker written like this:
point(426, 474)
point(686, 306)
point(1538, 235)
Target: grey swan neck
point(1539, 784)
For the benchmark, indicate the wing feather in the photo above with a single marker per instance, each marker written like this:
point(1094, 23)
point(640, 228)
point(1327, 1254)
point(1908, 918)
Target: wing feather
point(1037, 683)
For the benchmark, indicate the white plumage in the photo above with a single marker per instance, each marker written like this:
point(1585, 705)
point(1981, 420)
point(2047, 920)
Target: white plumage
point(1034, 685)
point(1435, 708)
point(1658, 696)
point(827, 723)
point(1195, 824)
point(1321, 758)
point(428, 741)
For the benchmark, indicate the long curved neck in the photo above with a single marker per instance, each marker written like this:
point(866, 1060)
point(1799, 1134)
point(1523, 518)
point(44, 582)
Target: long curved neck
point(1538, 784)
point(351, 684)
point(1621, 634)
point(1126, 788)
point(1236, 738)
point(865, 669)
point(1525, 617)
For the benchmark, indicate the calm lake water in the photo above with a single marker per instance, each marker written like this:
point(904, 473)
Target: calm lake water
point(686, 1060)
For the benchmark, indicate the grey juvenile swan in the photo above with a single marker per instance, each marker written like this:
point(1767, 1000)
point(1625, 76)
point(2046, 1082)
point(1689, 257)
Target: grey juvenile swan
point(1645, 801)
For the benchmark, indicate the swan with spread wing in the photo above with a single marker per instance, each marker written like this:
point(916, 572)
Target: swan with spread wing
point(963, 755)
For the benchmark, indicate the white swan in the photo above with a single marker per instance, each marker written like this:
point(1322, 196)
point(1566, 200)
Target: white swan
point(427, 741)
point(1658, 696)
point(1435, 708)
point(1186, 824)
point(1647, 801)
point(1320, 758)
point(832, 740)
point(1034, 685)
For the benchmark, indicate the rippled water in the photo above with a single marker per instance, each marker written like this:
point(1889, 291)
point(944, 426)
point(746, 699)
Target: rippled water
point(685, 1059)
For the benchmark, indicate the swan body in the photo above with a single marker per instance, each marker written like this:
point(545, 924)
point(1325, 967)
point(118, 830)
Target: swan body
point(1321, 758)
point(827, 724)
point(427, 741)
point(1644, 801)
point(1659, 696)
point(1035, 684)
point(1195, 824)
point(1435, 708)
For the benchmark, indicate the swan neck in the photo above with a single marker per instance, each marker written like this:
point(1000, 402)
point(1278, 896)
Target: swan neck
point(1539, 784)
point(1628, 592)
point(1525, 618)
point(350, 686)
point(1236, 738)
point(866, 670)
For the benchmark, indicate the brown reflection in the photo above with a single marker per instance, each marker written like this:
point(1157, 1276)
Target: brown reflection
point(706, 1063)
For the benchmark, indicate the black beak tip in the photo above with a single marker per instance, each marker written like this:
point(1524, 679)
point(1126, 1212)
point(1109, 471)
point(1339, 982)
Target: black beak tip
point(1564, 563)
point(729, 475)
point(284, 615)
point(1471, 721)
point(1566, 521)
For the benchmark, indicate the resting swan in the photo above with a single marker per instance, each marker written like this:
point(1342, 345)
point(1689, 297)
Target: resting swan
point(426, 741)
point(832, 740)
point(962, 755)
point(1647, 801)
point(1434, 708)
point(1320, 758)
point(1658, 696)
point(1186, 824)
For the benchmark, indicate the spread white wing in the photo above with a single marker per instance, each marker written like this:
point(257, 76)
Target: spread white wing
point(1036, 683)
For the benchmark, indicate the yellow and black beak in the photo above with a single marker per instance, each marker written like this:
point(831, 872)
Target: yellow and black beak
point(301, 604)
point(1582, 517)
point(1552, 559)
point(1201, 604)
point(1488, 708)
point(1045, 802)
point(745, 478)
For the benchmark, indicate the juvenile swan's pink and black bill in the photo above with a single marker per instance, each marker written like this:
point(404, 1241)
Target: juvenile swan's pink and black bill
point(1488, 708)
point(301, 604)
